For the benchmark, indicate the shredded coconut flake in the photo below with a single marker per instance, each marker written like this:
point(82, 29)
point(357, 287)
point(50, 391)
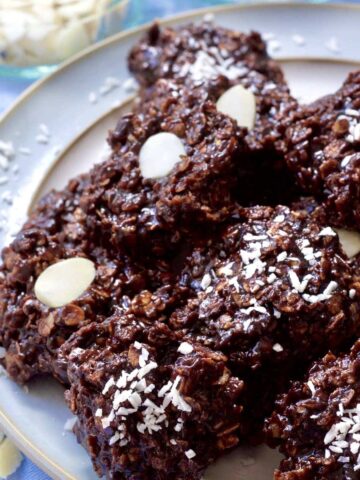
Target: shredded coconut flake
point(311, 387)
point(294, 280)
point(271, 278)
point(25, 151)
point(352, 112)
point(333, 45)
point(93, 98)
point(330, 288)
point(130, 85)
point(110, 83)
point(346, 160)
point(69, 424)
point(108, 385)
point(281, 257)
point(190, 454)
point(7, 149)
point(207, 66)
point(278, 348)
point(342, 438)
point(209, 17)
point(273, 46)
point(279, 218)
point(298, 40)
point(185, 348)
point(206, 281)
point(41, 138)
point(226, 270)
point(4, 162)
point(130, 397)
point(327, 232)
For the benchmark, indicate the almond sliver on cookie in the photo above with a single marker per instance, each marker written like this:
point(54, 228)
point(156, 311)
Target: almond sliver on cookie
point(159, 155)
point(64, 281)
point(350, 241)
point(238, 103)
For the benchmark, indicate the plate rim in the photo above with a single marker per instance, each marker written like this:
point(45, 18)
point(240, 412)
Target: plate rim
point(45, 463)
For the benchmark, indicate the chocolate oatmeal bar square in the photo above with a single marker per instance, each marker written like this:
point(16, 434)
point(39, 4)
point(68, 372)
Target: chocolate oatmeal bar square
point(317, 422)
point(234, 71)
point(149, 405)
point(121, 219)
point(216, 59)
point(32, 331)
point(272, 293)
point(274, 286)
point(321, 146)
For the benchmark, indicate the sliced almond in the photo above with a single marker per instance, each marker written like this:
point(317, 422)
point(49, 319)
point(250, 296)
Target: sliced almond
point(159, 154)
point(10, 458)
point(350, 241)
point(240, 104)
point(70, 424)
point(65, 281)
point(69, 40)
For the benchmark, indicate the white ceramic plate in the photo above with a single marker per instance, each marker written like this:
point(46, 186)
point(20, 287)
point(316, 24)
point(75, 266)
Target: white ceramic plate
point(35, 419)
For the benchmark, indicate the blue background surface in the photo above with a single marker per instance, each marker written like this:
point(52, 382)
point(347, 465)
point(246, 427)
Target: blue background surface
point(140, 11)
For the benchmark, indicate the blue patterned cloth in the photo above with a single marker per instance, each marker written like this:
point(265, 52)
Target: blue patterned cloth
point(28, 471)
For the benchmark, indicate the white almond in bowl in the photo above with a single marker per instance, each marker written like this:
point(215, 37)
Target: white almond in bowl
point(159, 154)
point(64, 281)
point(350, 241)
point(238, 103)
point(69, 40)
point(10, 458)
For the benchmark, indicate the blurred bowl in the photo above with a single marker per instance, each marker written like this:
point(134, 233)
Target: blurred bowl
point(36, 35)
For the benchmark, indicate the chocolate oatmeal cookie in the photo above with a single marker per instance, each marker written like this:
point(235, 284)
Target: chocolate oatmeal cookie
point(128, 225)
point(317, 422)
point(150, 406)
point(274, 292)
point(216, 60)
point(32, 332)
point(138, 209)
point(273, 287)
point(321, 146)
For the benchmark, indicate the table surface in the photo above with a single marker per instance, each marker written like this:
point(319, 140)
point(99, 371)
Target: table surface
point(140, 11)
